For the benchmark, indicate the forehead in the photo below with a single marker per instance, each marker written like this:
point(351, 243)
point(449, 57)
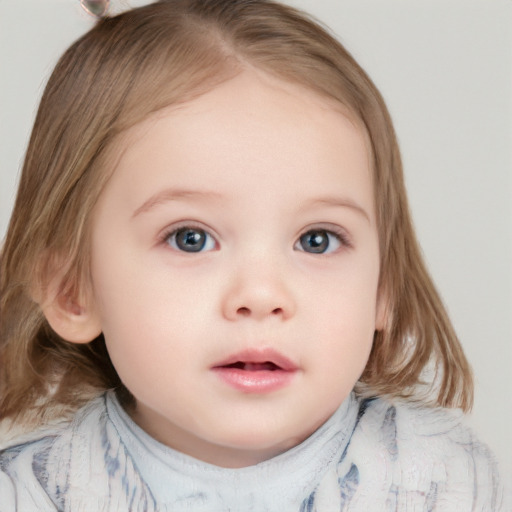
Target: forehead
point(253, 128)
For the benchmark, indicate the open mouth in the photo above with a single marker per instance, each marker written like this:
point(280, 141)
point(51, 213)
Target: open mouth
point(254, 360)
point(254, 367)
point(257, 371)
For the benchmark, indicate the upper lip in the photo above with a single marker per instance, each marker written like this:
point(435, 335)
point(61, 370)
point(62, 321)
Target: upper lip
point(265, 355)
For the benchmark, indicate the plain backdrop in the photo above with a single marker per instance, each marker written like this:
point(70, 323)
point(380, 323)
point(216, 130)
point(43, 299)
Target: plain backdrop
point(445, 70)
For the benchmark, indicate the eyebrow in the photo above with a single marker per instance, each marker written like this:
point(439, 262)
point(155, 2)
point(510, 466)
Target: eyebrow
point(172, 194)
point(341, 202)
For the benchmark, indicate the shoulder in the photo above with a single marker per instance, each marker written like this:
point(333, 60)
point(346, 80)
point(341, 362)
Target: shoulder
point(21, 482)
point(428, 452)
point(433, 434)
point(81, 466)
point(36, 464)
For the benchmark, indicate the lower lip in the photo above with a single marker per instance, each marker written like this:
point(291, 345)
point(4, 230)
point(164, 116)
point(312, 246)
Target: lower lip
point(260, 381)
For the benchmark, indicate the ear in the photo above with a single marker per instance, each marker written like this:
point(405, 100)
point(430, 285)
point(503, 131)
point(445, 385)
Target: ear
point(73, 319)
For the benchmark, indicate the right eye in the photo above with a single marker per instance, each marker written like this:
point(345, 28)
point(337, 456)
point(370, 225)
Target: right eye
point(190, 239)
point(320, 241)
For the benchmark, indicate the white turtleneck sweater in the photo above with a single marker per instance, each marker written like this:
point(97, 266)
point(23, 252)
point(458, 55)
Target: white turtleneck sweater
point(369, 456)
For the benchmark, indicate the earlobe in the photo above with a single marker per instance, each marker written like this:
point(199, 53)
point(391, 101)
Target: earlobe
point(77, 322)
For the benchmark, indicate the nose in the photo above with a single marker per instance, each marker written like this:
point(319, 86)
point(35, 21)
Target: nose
point(258, 293)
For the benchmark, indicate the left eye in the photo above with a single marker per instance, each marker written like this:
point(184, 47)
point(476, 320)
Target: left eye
point(318, 241)
point(190, 239)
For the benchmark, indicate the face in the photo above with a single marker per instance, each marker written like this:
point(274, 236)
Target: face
point(235, 266)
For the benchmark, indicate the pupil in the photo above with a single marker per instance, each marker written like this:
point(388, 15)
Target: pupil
point(315, 241)
point(190, 240)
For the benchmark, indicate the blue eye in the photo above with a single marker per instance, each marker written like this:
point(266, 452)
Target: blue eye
point(319, 241)
point(190, 239)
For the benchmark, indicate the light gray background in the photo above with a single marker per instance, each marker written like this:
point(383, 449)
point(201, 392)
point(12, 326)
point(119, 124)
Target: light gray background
point(445, 70)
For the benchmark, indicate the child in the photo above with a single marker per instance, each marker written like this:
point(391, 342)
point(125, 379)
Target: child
point(212, 266)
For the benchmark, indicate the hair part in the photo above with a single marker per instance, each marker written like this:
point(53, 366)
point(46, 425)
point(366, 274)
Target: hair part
point(119, 73)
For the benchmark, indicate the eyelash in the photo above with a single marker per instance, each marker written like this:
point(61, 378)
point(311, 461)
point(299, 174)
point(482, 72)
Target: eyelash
point(337, 233)
point(164, 238)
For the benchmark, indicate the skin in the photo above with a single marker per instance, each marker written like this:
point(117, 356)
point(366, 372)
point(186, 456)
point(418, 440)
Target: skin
point(254, 164)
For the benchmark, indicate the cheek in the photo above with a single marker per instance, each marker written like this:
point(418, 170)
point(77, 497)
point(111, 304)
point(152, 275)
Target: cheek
point(343, 348)
point(347, 300)
point(344, 320)
point(146, 310)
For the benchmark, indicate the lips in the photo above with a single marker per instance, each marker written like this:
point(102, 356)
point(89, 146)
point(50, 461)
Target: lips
point(258, 360)
point(256, 371)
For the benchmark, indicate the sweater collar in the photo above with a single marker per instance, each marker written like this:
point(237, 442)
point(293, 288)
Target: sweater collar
point(285, 480)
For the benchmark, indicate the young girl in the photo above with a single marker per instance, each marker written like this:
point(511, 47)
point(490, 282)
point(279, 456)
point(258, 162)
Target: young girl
point(212, 269)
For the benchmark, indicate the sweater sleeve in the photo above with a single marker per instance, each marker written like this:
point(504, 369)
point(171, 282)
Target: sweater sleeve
point(463, 472)
point(7, 494)
point(20, 485)
point(404, 457)
point(492, 491)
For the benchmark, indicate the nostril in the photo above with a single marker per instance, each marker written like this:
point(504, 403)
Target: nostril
point(244, 311)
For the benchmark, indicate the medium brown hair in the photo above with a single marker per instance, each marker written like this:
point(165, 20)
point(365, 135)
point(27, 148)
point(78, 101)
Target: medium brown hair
point(119, 73)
